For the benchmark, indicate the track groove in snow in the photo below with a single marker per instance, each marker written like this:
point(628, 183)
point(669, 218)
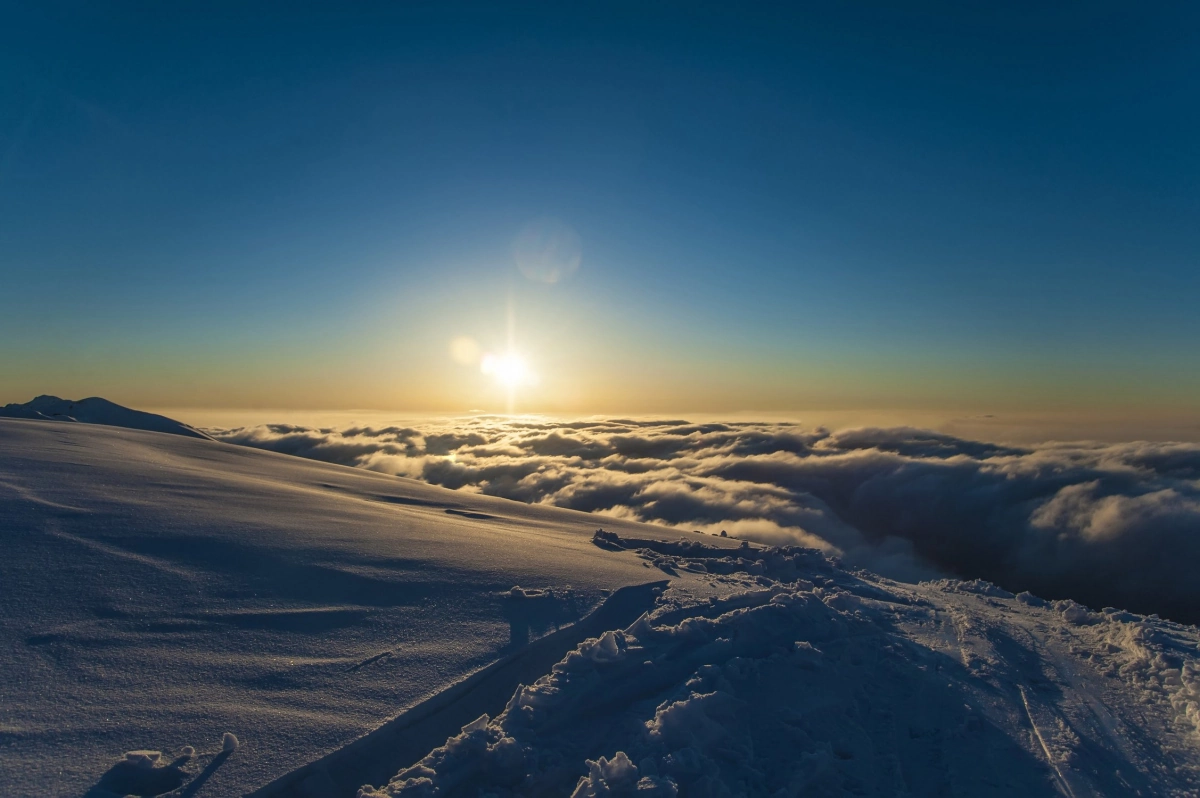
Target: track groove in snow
point(408, 737)
point(1060, 778)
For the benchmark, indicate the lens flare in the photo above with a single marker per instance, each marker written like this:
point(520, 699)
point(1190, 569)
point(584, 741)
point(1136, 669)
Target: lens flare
point(547, 250)
point(465, 350)
point(510, 369)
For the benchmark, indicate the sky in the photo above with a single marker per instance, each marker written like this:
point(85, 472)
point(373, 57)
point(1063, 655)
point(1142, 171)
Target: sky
point(945, 208)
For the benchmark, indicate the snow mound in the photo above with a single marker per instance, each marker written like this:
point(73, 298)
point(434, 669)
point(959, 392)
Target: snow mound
point(811, 679)
point(976, 586)
point(1025, 597)
point(1074, 613)
point(95, 410)
point(143, 759)
point(146, 772)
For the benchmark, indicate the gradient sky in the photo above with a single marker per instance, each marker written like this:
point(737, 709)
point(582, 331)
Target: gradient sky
point(851, 206)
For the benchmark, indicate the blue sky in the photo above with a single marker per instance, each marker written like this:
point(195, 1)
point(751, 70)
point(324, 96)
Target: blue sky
point(837, 205)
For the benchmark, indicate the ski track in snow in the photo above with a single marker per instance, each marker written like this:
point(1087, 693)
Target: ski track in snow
point(1063, 782)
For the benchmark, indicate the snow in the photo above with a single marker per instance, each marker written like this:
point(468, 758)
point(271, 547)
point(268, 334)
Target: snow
point(160, 590)
point(96, 411)
point(843, 684)
point(150, 773)
point(295, 628)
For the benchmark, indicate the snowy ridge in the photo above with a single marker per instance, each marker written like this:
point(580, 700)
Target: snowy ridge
point(814, 679)
point(95, 410)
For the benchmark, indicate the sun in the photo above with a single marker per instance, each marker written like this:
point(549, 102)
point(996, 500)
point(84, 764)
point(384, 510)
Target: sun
point(510, 369)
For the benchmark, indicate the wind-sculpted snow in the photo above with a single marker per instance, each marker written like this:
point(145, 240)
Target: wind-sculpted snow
point(810, 680)
point(1107, 524)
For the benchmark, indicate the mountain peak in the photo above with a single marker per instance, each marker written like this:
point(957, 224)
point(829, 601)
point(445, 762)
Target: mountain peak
point(95, 410)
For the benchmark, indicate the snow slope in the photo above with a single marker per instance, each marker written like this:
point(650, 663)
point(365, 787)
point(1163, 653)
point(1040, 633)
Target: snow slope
point(159, 591)
point(813, 680)
point(96, 411)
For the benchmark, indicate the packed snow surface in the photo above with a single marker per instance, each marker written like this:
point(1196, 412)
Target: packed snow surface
point(186, 617)
point(96, 411)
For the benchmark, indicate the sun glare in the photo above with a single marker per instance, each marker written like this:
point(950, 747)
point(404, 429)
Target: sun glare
point(510, 370)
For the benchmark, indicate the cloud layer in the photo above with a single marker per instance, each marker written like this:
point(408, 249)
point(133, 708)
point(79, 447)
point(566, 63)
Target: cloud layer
point(1101, 523)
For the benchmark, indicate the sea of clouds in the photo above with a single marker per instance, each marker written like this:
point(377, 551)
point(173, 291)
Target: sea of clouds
point(1105, 524)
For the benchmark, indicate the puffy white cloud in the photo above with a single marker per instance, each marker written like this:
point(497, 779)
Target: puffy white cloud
point(1105, 524)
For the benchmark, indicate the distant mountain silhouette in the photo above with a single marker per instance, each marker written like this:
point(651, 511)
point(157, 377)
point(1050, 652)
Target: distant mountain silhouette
point(95, 410)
